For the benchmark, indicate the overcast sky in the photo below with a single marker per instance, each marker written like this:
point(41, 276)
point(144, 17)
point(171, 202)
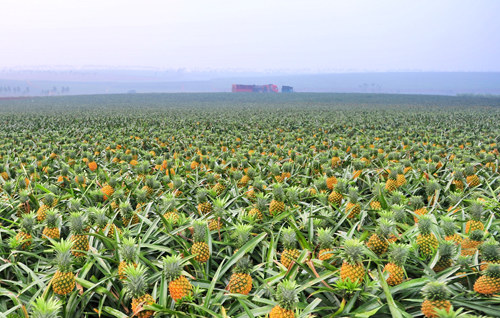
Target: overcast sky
point(347, 35)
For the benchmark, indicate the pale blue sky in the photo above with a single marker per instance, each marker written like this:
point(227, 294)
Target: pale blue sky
point(314, 35)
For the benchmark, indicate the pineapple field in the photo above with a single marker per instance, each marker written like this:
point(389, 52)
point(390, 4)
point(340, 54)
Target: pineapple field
point(250, 205)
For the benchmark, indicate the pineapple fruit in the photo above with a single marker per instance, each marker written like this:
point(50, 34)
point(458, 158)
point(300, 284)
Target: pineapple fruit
point(200, 248)
point(286, 296)
point(63, 281)
point(179, 286)
point(290, 252)
point(136, 286)
point(436, 296)
point(325, 242)
point(397, 257)
point(352, 266)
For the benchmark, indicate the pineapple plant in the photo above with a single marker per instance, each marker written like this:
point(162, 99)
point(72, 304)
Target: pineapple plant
point(277, 204)
point(51, 229)
point(353, 208)
point(24, 205)
point(42, 308)
point(240, 281)
point(109, 188)
point(179, 286)
point(259, 208)
point(218, 212)
point(379, 242)
point(431, 189)
point(200, 248)
point(325, 242)
point(392, 182)
point(79, 236)
point(63, 281)
point(426, 240)
point(129, 216)
point(490, 253)
point(436, 296)
point(446, 251)
point(169, 207)
point(290, 252)
point(24, 236)
point(458, 180)
point(470, 244)
point(204, 206)
point(352, 265)
point(489, 282)
point(476, 214)
point(397, 257)
point(450, 230)
point(136, 286)
point(331, 180)
point(336, 196)
point(128, 252)
point(418, 207)
point(471, 177)
point(286, 297)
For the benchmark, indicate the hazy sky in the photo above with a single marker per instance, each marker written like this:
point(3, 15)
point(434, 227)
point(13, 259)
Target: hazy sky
point(347, 35)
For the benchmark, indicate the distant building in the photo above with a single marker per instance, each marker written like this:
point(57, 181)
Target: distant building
point(269, 88)
point(286, 89)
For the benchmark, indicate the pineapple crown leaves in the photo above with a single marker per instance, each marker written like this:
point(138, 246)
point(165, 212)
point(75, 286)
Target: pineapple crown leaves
point(448, 225)
point(447, 250)
point(49, 199)
point(398, 253)
point(112, 182)
point(51, 219)
point(353, 194)
point(99, 216)
point(129, 250)
point(397, 197)
point(469, 170)
point(436, 291)
point(399, 213)
point(393, 175)
point(289, 238)
point(490, 250)
point(169, 202)
point(286, 294)
point(292, 194)
point(141, 195)
point(431, 187)
point(458, 175)
point(172, 267)
point(243, 265)
point(341, 186)
point(353, 251)
point(493, 270)
point(416, 202)
point(325, 238)
point(77, 223)
point(454, 198)
point(241, 234)
point(385, 227)
point(278, 193)
point(425, 224)
point(24, 196)
point(126, 209)
point(135, 282)
point(476, 235)
point(219, 206)
point(261, 203)
point(377, 189)
point(27, 222)
point(63, 257)
point(201, 196)
point(476, 211)
point(199, 231)
point(49, 308)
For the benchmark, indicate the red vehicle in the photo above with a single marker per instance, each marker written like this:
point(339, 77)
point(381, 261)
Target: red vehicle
point(269, 88)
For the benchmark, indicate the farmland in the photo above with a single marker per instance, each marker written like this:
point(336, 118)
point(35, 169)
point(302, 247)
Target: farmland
point(250, 205)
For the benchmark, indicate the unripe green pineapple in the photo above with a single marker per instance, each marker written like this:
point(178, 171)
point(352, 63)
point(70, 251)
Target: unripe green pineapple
point(286, 296)
point(178, 285)
point(136, 286)
point(397, 257)
point(79, 236)
point(42, 308)
point(290, 252)
point(426, 240)
point(200, 248)
point(352, 266)
point(63, 281)
point(325, 242)
point(447, 251)
point(436, 296)
point(277, 205)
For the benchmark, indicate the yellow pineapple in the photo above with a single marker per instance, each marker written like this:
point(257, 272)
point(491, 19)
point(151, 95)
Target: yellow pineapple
point(200, 248)
point(397, 257)
point(63, 281)
point(286, 297)
point(179, 286)
point(290, 252)
point(136, 287)
point(352, 266)
point(436, 296)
